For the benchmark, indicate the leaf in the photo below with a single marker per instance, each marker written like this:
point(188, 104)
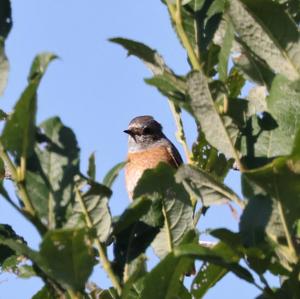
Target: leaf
point(150, 57)
point(205, 186)
point(92, 167)
point(254, 69)
point(51, 171)
point(257, 100)
point(93, 204)
point(176, 206)
point(275, 40)
point(68, 257)
point(129, 244)
point(223, 134)
point(225, 51)
point(172, 87)
point(6, 232)
point(220, 255)
point(166, 278)
point(4, 68)
point(206, 278)
point(5, 19)
point(112, 174)
point(44, 293)
point(18, 135)
point(273, 134)
point(277, 186)
point(133, 213)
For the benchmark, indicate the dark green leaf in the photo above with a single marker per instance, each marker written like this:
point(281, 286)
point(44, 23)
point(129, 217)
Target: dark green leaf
point(176, 206)
point(6, 233)
point(44, 293)
point(19, 132)
point(112, 174)
point(51, 171)
point(166, 278)
point(133, 213)
point(220, 255)
point(5, 18)
point(92, 167)
point(68, 257)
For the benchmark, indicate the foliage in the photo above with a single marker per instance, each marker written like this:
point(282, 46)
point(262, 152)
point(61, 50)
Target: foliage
point(228, 44)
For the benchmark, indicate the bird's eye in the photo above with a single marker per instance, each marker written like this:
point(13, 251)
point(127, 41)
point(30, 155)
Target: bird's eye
point(147, 131)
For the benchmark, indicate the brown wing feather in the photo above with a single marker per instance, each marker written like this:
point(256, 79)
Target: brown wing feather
point(174, 153)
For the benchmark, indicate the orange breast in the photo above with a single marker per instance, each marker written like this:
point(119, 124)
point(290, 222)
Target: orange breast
point(138, 162)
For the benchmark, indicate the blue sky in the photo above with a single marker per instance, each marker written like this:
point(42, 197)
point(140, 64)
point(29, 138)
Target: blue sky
point(96, 91)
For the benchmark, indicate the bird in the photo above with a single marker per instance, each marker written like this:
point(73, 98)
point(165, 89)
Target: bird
point(147, 147)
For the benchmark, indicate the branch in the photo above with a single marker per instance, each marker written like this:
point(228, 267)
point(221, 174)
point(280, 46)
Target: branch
point(175, 12)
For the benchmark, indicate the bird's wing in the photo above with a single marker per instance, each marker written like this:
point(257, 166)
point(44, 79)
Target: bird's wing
point(174, 153)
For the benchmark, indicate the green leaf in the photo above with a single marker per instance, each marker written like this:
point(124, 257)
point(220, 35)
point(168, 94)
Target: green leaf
point(277, 185)
point(273, 134)
point(223, 134)
point(133, 213)
point(6, 232)
point(44, 293)
point(112, 174)
point(220, 255)
point(225, 50)
point(51, 171)
point(129, 244)
point(68, 257)
point(205, 186)
point(275, 40)
point(93, 204)
point(149, 56)
point(166, 278)
point(92, 167)
point(18, 136)
point(206, 278)
point(254, 69)
point(176, 206)
point(5, 18)
point(172, 87)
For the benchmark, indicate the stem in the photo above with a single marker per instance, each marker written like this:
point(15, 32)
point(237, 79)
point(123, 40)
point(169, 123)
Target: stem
point(180, 135)
point(28, 210)
point(175, 12)
point(100, 247)
point(74, 295)
point(28, 207)
point(288, 236)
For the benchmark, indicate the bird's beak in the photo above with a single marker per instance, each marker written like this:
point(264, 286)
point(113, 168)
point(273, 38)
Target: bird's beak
point(129, 132)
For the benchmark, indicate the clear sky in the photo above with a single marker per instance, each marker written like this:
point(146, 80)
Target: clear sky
point(96, 91)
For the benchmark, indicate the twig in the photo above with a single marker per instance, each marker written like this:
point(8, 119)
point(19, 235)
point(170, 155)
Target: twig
point(288, 236)
point(180, 135)
point(100, 247)
point(175, 12)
